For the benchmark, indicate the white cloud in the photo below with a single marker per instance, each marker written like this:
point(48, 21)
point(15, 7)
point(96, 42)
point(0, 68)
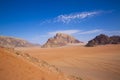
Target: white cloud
point(100, 31)
point(117, 32)
point(76, 32)
point(73, 17)
point(64, 31)
point(91, 31)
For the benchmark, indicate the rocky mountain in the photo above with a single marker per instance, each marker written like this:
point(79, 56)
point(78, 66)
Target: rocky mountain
point(14, 42)
point(60, 39)
point(104, 39)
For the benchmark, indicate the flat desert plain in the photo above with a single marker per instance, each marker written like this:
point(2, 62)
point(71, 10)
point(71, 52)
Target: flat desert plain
point(89, 63)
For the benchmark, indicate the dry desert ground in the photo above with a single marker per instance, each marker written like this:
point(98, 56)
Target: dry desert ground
point(90, 63)
point(16, 66)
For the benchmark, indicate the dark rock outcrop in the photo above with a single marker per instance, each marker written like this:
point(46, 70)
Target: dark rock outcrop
point(115, 39)
point(103, 39)
point(60, 39)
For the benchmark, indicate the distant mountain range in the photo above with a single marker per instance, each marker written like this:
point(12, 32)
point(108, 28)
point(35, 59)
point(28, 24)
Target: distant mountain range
point(14, 42)
point(103, 39)
point(60, 39)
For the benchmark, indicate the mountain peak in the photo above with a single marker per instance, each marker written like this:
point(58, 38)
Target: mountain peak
point(60, 39)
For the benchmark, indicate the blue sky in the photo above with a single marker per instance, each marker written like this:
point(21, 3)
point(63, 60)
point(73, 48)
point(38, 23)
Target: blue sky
point(37, 20)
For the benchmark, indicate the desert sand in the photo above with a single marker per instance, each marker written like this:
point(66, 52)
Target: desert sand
point(16, 67)
point(90, 63)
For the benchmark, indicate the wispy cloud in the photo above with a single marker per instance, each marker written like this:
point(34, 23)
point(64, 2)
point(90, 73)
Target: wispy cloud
point(64, 31)
point(91, 31)
point(73, 17)
point(84, 32)
point(114, 32)
point(100, 31)
point(76, 31)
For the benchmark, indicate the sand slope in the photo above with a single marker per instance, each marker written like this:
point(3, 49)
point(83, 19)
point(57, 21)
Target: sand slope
point(15, 67)
point(90, 63)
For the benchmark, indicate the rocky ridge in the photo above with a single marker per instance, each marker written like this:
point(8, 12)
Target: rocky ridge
point(14, 42)
point(103, 39)
point(60, 39)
